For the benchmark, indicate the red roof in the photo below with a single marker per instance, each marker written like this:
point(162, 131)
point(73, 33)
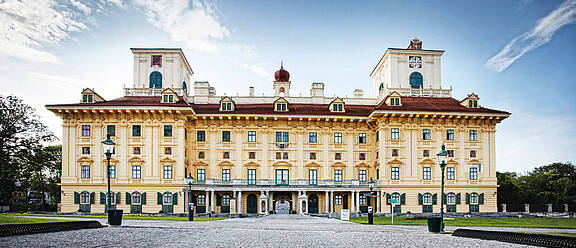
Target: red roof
point(434, 104)
point(132, 101)
point(293, 109)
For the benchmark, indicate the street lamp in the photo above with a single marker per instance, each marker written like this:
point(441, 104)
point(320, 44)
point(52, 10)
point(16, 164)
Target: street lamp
point(370, 210)
point(190, 203)
point(442, 158)
point(108, 146)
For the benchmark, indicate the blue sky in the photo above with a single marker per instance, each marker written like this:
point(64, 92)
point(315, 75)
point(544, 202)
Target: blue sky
point(516, 55)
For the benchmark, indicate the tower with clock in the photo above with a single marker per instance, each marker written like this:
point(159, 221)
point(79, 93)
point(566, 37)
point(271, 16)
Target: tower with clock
point(412, 71)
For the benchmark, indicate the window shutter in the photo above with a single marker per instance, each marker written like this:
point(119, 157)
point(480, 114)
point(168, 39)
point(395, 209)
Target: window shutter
point(419, 199)
point(159, 198)
point(76, 198)
point(92, 196)
point(218, 200)
point(444, 199)
point(175, 199)
point(403, 199)
point(434, 199)
point(387, 199)
point(118, 197)
point(143, 198)
point(481, 199)
point(458, 198)
point(102, 198)
point(128, 199)
point(467, 198)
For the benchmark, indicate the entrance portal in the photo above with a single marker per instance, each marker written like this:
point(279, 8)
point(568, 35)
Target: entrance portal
point(313, 204)
point(282, 202)
point(252, 204)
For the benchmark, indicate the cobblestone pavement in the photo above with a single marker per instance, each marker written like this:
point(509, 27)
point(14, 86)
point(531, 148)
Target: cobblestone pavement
point(270, 231)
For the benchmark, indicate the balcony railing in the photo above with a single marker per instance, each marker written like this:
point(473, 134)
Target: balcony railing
point(283, 183)
point(421, 92)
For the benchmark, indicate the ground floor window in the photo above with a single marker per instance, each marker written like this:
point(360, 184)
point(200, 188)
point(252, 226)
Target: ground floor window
point(136, 198)
point(474, 208)
point(451, 208)
point(362, 200)
point(427, 209)
point(427, 198)
point(201, 200)
point(338, 200)
point(451, 198)
point(85, 198)
point(167, 198)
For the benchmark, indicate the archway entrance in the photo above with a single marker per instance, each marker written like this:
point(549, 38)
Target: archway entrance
point(252, 204)
point(313, 204)
point(282, 203)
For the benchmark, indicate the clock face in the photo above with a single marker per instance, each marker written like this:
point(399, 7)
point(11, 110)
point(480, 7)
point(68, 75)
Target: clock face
point(415, 62)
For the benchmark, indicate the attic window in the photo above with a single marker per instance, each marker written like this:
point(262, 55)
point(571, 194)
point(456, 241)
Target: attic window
point(168, 98)
point(88, 98)
point(395, 101)
point(338, 107)
point(226, 106)
point(281, 106)
point(473, 103)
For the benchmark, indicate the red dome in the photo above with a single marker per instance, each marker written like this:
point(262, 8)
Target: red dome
point(282, 75)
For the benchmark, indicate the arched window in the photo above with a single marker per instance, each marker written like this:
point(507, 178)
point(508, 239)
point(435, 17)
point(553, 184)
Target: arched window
point(427, 198)
point(416, 80)
point(156, 80)
point(381, 88)
point(226, 200)
point(136, 198)
point(167, 198)
point(474, 198)
point(338, 200)
point(396, 196)
point(185, 87)
point(451, 198)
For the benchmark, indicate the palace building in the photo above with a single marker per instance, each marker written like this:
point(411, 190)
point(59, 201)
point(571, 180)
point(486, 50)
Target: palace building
point(281, 153)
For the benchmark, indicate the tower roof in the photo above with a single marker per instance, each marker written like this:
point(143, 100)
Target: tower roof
point(282, 75)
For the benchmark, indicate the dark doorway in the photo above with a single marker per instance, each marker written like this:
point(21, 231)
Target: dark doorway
point(252, 204)
point(313, 204)
point(345, 202)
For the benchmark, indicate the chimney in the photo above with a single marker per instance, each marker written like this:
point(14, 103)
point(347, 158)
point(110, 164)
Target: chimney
point(415, 44)
point(317, 89)
point(358, 93)
point(251, 90)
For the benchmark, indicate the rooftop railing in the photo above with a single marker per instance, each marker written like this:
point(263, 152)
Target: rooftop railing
point(280, 183)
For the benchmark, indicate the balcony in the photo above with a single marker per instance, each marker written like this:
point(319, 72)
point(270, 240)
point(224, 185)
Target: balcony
point(421, 92)
point(297, 183)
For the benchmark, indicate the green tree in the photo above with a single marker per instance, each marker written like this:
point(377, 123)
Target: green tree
point(41, 170)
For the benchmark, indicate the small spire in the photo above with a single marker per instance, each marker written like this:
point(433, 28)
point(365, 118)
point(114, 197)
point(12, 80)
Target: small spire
point(281, 64)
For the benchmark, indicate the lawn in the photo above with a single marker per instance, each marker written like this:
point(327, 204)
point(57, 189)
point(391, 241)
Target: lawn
point(135, 217)
point(479, 221)
point(7, 219)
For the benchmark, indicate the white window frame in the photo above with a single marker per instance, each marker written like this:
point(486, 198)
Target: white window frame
point(201, 199)
point(201, 175)
point(473, 173)
point(474, 199)
point(226, 175)
point(251, 136)
point(473, 135)
point(112, 171)
point(85, 171)
point(362, 174)
point(362, 138)
point(136, 171)
point(427, 198)
point(167, 198)
point(451, 198)
point(167, 172)
point(450, 173)
point(395, 133)
point(338, 199)
point(313, 177)
point(426, 134)
point(427, 173)
point(84, 198)
point(337, 137)
point(136, 198)
point(338, 175)
point(395, 173)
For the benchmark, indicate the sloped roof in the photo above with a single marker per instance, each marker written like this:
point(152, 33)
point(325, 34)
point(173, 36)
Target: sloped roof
point(434, 104)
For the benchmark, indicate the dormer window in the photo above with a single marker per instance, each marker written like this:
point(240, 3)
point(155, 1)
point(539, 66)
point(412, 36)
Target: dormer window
point(88, 98)
point(226, 104)
point(394, 99)
point(471, 101)
point(169, 96)
point(337, 105)
point(281, 105)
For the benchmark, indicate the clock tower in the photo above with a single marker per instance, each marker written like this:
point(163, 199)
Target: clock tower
point(410, 72)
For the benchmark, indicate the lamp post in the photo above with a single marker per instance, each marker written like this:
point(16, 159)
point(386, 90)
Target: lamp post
point(190, 204)
point(442, 157)
point(370, 208)
point(108, 146)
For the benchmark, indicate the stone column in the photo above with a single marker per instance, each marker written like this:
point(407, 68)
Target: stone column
point(504, 208)
point(294, 199)
point(212, 201)
point(299, 203)
point(271, 202)
point(377, 202)
point(239, 202)
point(527, 208)
point(565, 208)
point(352, 202)
point(358, 201)
point(331, 201)
point(549, 205)
point(207, 202)
point(266, 211)
point(327, 206)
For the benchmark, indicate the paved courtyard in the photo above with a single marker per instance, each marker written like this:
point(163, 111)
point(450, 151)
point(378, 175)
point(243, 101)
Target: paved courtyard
point(271, 231)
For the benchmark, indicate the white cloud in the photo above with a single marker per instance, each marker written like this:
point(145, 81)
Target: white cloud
point(26, 26)
point(541, 34)
point(261, 71)
point(82, 7)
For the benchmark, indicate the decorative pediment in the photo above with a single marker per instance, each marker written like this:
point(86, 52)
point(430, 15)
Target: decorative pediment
point(364, 165)
point(135, 160)
point(282, 163)
point(427, 161)
point(85, 159)
point(338, 164)
point(312, 164)
point(395, 161)
point(90, 96)
point(452, 162)
point(167, 160)
point(225, 163)
point(251, 164)
point(200, 163)
point(474, 161)
point(112, 161)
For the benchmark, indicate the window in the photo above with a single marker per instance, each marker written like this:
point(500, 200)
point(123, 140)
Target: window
point(225, 136)
point(450, 173)
point(251, 155)
point(337, 156)
point(473, 173)
point(85, 198)
point(395, 173)
point(136, 171)
point(395, 133)
point(85, 171)
point(426, 134)
point(313, 177)
point(201, 175)
point(338, 200)
point(251, 176)
point(377, 154)
point(186, 133)
point(474, 198)
point(395, 196)
point(282, 177)
point(450, 153)
point(362, 175)
point(362, 138)
point(167, 198)
point(282, 137)
point(201, 136)
point(201, 200)
point(136, 131)
point(167, 130)
point(281, 107)
point(473, 103)
point(156, 60)
point(337, 175)
point(136, 150)
point(85, 150)
point(111, 130)
point(168, 172)
point(338, 138)
point(136, 198)
point(449, 134)
point(156, 80)
point(226, 200)
point(377, 136)
point(313, 137)
point(86, 130)
point(394, 101)
point(285, 155)
point(427, 199)
point(426, 153)
point(87, 98)
point(472, 153)
point(251, 136)
point(427, 173)
point(473, 135)
point(278, 155)
point(337, 107)
point(362, 200)
point(312, 156)
point(168, 150)
point(167, 98)
point(362, 156)
point(226, 175)
point(226, 155)
point(201, 155)
point(112, 171)
point(451, 198)
point(394, 152)
point(416, 80)
point(226, 106)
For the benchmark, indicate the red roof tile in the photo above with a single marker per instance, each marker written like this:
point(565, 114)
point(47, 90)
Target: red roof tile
point(293, 109)
point(434, 104)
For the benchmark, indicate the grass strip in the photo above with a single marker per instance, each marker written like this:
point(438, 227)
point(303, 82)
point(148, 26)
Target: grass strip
point(564, 223)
